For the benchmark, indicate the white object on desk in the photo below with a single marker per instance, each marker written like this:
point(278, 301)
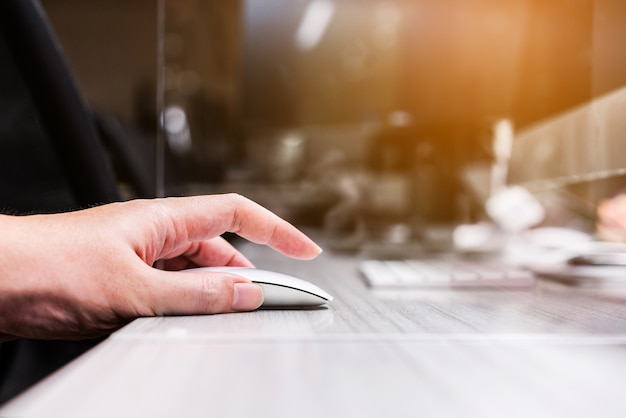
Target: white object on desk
point(279, 289)
point(584, 275)
point(514, 209)
point(443, 273)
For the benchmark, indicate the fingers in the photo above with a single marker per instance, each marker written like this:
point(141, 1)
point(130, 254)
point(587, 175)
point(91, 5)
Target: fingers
point(610, 233)
point(214, 252)
point(612, 219)
point(219, 252)
point(205, 217)
point(191, 293)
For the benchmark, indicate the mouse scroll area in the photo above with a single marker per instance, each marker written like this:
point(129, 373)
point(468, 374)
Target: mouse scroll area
point(275, 296)
point(279, 289)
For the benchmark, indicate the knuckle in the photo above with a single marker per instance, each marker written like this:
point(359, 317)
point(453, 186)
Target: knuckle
point(236, 198)
point(216, 295)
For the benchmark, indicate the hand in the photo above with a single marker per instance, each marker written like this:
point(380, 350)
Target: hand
point(86, 273)
point(611, 225)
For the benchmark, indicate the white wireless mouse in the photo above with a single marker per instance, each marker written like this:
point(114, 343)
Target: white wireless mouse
point(279, 289)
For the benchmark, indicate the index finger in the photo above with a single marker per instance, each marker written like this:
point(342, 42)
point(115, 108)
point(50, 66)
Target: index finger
point(204, 217)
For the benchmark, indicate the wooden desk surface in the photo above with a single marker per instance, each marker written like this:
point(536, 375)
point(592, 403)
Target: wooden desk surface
point(551, 351)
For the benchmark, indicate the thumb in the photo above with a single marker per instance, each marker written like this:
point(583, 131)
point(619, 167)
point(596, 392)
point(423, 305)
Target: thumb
point(182, 293)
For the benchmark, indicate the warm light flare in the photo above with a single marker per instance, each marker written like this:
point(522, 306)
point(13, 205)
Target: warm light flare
point(317, 16)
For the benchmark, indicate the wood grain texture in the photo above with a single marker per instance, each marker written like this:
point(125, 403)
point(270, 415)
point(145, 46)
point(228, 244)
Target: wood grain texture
point(550, 351)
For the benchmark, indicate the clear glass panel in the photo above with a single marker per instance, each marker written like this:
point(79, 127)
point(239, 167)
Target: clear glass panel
point(353, 114)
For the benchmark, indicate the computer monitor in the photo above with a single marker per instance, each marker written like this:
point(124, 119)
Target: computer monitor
point(573, 158)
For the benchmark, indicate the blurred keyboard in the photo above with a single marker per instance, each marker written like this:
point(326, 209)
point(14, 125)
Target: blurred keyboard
point(436, 273)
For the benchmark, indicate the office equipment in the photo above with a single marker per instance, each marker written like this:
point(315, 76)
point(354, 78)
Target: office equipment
point(571, 162)
point(568, 133)
point(443, 273)
point(279, 289)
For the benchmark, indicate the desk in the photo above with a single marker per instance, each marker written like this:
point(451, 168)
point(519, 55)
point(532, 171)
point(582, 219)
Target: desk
point(552, 351)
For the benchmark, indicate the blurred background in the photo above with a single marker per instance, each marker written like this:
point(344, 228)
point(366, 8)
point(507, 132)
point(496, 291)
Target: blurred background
point(373, 122)
point(370, 118)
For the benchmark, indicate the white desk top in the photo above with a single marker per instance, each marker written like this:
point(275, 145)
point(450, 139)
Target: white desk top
point(550, 351)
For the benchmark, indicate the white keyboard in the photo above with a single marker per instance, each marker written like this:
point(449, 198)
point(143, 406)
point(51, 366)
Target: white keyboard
point(443, 273)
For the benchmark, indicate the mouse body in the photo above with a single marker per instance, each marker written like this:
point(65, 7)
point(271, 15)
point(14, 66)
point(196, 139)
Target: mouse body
point(279, 289)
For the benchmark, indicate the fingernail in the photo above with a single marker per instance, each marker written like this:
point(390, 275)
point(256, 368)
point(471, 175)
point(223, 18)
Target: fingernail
point(247, 297)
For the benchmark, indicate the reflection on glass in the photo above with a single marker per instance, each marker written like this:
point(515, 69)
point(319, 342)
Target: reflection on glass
point(380, 115)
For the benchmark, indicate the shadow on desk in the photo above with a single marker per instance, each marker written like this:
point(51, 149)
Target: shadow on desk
point(24, 362)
